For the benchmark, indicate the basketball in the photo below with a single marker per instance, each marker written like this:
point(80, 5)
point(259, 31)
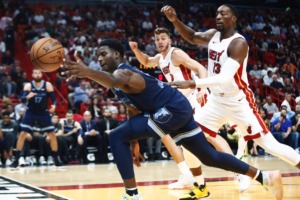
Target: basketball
point(47, 54)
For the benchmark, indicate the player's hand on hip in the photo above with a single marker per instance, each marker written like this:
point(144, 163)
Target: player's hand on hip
point(30, 95)
point(74, 69)
point(201, 96)
point(170, 13)
point(52, 109)
point(133, 45)
point(183, 84)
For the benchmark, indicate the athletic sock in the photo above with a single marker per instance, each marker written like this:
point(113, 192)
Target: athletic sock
point(131, 191)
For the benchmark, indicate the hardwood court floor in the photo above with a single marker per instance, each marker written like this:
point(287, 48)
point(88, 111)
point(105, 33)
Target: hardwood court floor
point(102, 182)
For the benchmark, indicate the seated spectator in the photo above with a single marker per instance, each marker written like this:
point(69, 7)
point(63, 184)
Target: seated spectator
point(9, 87)
point(61, 141)
point(10, 133)
point(89, 136)
point(106, 124)
point(94, 64)
point(270, 106)
point(287, 100)
point(255, 72)
point(281, 128)
point(154, 155)
point(95, 109)
point(276, 84)
point(71, 129)
point(109, 105)
point(81, 94)
point(122, 115)
point(290, 114)
point(267, 80)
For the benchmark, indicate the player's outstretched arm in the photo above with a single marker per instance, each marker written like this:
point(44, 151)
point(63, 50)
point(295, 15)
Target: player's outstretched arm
point(186, 32)
point(143, 58)
point(126, 80)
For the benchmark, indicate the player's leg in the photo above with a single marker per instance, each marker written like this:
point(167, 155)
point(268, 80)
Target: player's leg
point(210, 157)
point(119, 140)
point(282, 151)
point(20, 143)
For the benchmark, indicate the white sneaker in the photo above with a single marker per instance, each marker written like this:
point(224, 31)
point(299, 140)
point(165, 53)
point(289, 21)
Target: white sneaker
point(27, 161)
point(244, 181)
point(134, 197)
point(272, 182)
point(42, 161)
point(50, 161)
point(8, 162)
point(22, 161)
point(33, 160)
point(184, 182)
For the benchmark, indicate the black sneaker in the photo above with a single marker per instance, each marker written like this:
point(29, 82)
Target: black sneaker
point(57, 163)
point(15, 164)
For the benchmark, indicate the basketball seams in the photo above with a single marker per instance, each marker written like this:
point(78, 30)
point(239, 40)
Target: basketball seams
point(50, 53)
point(37, 52)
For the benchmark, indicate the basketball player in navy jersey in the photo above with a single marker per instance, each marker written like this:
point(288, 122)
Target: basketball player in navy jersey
point(37, 93)
point(153, 109)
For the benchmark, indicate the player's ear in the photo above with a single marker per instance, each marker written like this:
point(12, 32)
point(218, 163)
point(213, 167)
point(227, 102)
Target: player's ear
point(234, 19)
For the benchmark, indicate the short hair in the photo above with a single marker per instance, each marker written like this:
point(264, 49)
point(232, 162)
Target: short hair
point(70, 112)
point(160, 30)
point(232, 9)
point(6, 113)
point(113, 44)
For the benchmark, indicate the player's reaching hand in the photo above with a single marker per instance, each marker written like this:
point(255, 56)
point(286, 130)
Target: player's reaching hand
point(74, 69)
point(133, 45)
point(170, 13)
point(183, 84)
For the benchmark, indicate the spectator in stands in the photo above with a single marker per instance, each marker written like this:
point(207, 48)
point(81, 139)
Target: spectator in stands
point(281, 128)
point(89, 136)
point(10, 132)
point(290, 114)
point(106, 124)
point(95, 109)
point(2, 46)
point(156, 154)
point(255, 72)
point(280, 56)
point(122, 114)
point(276, 84)
point(270, 106)
point(72, 84)
point(296, 127)
point(268, 78)
point(71, 130)
point(38, 17)
point(288, 86)
point(109, 105)
point(61, 141)
point(287, 101)
point(9, 38)
point(94, 64)
point(7, 58)
point(9, 87)
point(81, 94)
point(289, 67)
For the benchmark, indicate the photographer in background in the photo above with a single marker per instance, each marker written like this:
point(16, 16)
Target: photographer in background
point(281, 129)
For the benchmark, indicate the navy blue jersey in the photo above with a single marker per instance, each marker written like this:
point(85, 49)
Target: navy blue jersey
point(155, 95)
point(67, 127)
point(39, 102)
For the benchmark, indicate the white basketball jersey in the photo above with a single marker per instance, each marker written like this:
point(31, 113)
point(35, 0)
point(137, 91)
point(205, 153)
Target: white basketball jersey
point(217, 55)
point(175, 73)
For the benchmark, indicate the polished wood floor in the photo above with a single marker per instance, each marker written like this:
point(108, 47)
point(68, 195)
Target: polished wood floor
point(101, 182)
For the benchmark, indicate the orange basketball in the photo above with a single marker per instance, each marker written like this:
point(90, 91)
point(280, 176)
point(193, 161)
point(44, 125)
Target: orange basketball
point(47, 54)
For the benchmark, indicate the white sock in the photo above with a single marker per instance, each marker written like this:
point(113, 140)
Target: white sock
point(184, 169)
point(199, 179)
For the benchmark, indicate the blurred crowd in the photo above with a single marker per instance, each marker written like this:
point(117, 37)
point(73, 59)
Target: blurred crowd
point(274, 63)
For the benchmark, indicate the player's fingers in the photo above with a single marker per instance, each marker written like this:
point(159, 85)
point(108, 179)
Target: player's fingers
point(78, 60)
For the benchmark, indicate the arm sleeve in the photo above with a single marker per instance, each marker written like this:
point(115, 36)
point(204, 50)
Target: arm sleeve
point(24, 95)
point(52, 96)
point(228, 71)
